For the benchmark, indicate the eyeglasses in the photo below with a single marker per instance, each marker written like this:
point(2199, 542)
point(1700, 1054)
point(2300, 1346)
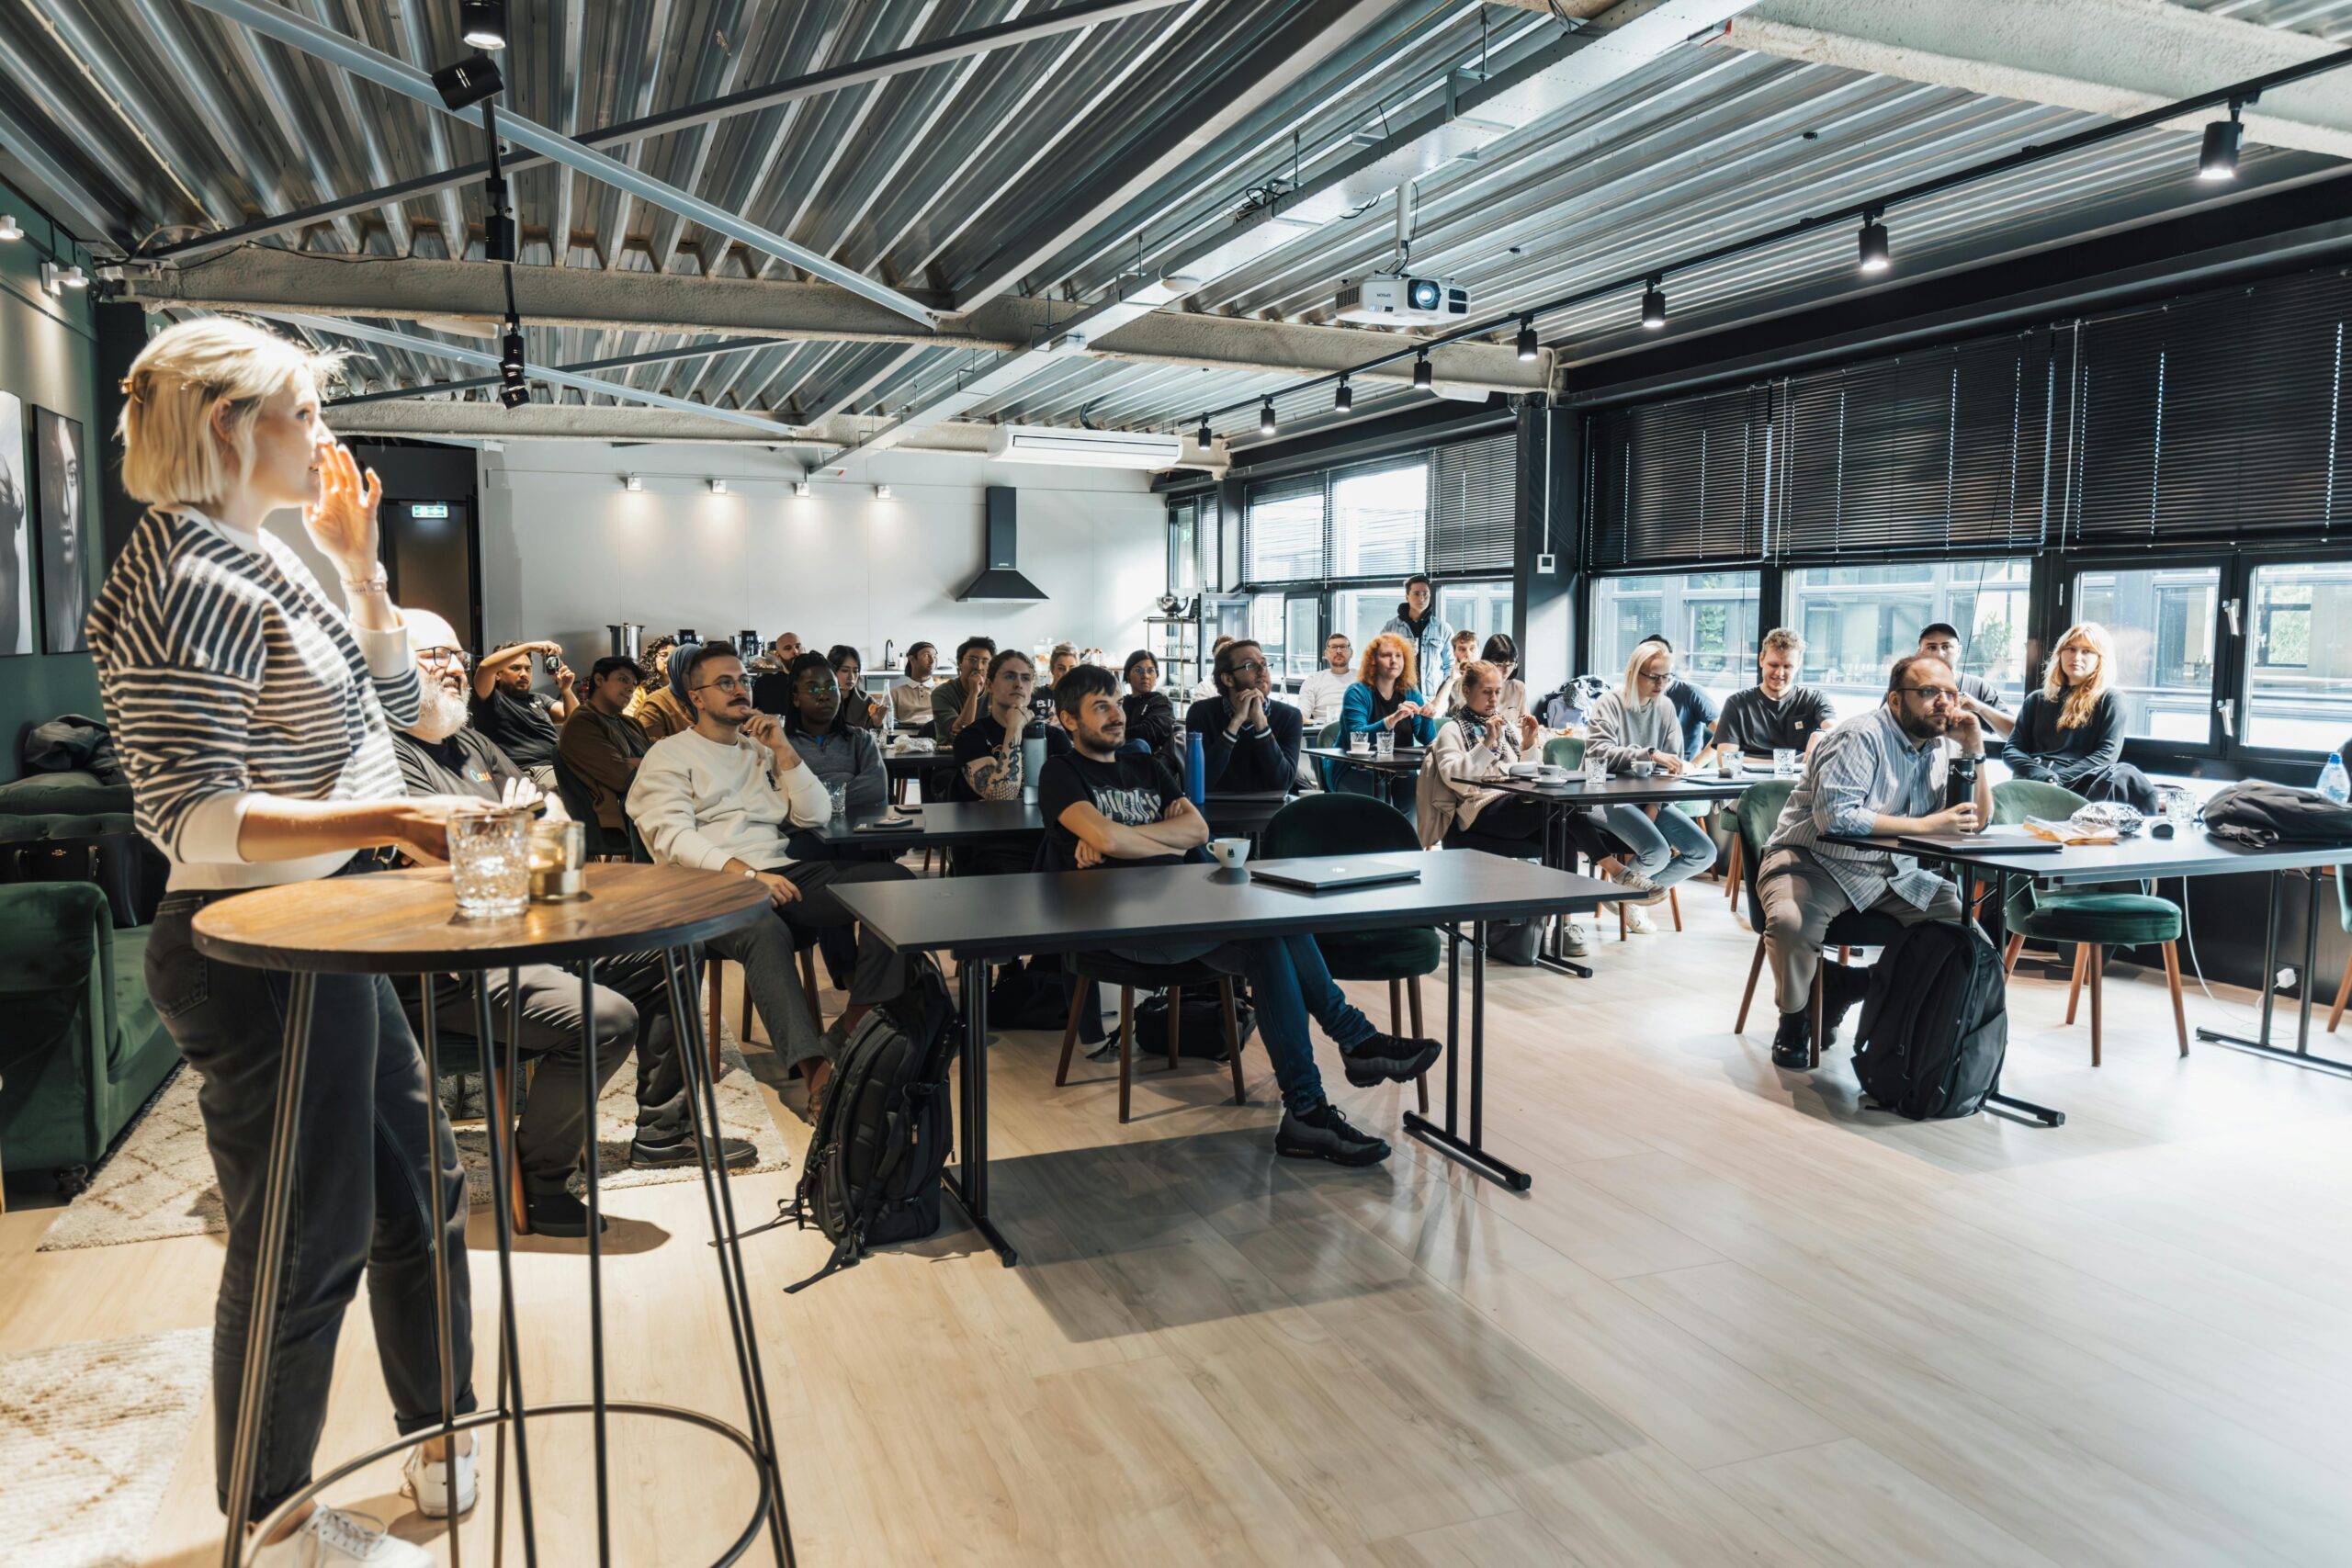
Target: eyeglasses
point(1936, 695)
point(441, 657)
point(1660, 680)
point(1247, 667)
point(726, 684)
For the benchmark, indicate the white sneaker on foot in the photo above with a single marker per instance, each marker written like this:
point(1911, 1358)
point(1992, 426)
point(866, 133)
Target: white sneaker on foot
point(1573, 941)
point(1637, 920)
point(333, 1539)
point(427, 1480)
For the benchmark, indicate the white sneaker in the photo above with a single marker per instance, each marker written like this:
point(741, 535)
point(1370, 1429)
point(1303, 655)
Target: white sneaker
point(1637, 920)
point(331, 1538)
point(427, 1480)
point(1573, 941)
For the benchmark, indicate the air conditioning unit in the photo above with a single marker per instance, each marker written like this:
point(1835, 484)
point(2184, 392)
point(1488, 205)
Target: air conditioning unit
point(1085, 449)
point(1402, 301)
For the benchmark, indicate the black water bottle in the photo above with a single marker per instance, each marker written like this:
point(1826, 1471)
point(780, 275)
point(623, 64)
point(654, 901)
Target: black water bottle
point(1960, 781)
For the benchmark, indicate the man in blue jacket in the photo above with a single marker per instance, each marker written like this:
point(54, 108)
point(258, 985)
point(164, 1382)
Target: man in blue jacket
point(1248, 741)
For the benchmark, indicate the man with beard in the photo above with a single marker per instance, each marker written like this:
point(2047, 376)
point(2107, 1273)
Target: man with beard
point(443, 754)
point(602, 744)
point(521, 721)
point(1105, 807)
point(723, 796)
point(1248, 741)
point(1879, 774)
point(1776, 713)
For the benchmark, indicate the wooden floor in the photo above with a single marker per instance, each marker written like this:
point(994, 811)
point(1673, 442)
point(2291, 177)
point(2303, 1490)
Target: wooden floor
point(1738, 1320)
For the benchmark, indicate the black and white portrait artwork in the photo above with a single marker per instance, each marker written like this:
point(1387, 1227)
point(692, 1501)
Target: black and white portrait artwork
point(16, 532)
point(65, 562)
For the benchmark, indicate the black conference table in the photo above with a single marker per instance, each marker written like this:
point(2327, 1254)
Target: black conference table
point(984, 919)
point(936, 823)
point(2190, 851)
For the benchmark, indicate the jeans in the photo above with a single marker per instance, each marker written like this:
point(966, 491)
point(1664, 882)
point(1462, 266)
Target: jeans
point(1669, 850)
point(631, 1005)
point(358, 1195)
point(1290, 983)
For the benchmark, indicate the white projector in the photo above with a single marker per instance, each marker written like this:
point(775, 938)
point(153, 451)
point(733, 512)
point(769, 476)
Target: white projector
point(1397, 299)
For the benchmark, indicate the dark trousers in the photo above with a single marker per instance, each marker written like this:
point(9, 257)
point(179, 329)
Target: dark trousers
point(359, 1197)
point(631, 1005)
point(1513, 816)
point(880, 972)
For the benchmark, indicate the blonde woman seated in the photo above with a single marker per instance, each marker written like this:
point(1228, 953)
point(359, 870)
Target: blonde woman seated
point(1633, 724)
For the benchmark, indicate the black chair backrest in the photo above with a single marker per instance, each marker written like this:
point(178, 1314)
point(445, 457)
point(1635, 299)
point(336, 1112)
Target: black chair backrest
point(772, 693)
point(572, 791)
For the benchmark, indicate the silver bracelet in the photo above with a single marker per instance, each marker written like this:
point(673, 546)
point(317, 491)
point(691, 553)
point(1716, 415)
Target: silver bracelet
point(373, 583)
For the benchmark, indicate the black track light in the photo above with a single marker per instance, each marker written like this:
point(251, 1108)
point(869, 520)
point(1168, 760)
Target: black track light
point(1526, 344)
point(1207, 436)
point(468, 82)
point(510, 362)
point(1423, 375)
point(1874, 255)
point(483, 22)
point(1266, 417)
point(1654, 306)
point(514, 391)
point(1344, 399)
point(2217, 159)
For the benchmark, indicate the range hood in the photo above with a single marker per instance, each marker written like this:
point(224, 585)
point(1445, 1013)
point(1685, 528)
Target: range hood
point(1000, 578)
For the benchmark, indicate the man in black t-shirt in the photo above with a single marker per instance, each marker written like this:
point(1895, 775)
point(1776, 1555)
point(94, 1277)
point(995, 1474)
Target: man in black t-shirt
point(988, 751)
point(1978, 696)
point(1248, 741)
point(1104, 807)
point(521, 722)
point(1776, 712)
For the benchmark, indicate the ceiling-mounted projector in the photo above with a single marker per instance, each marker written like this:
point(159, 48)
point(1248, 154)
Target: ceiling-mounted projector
point(1398, 299)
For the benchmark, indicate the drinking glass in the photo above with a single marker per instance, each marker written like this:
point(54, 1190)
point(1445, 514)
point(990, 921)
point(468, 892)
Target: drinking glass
point(1784, 761)
point(840, 796)
point(1383, 744)
point(490, 861)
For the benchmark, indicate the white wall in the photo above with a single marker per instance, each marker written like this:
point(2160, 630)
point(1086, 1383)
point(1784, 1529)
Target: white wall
point(565, 549)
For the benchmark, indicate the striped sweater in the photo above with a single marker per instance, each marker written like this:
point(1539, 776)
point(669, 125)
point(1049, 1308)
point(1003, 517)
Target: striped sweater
point(228, 674)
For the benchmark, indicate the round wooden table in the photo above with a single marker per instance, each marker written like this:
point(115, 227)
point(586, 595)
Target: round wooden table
point(407, 923)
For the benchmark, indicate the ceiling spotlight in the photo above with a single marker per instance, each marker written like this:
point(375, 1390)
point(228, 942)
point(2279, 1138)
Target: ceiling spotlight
point(632, 481)
point(1874, 257)
point(55, 280)
point(1266, 417)
point(804, 490)
point(514, 391)
point(1344, 399)
point(467, 81)
point(717, 487)
point(2217, 159)
point(1423, 377)
point(8, 230)
point(881, 492)
point(484, 23)
point(1526, 344)
point(1206, 437)
point(511, 360)
point(1654, 305)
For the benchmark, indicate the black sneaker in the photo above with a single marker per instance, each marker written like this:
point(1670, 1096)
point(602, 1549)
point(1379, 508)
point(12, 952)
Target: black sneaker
point(1389, 1058)
point(1792, 1047)
point(557, 1214)
point(643, 1156)
point(1324, 1134)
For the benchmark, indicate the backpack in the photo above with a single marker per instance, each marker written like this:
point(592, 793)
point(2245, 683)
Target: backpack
point(883, 1134)
point(1935, 1025)
point(1200, 1031)
point(1518, 943)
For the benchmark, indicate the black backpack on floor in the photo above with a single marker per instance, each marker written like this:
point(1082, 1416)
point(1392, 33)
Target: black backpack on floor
point(1200, 1032)
point(884, 1130)
point(1935, 1025)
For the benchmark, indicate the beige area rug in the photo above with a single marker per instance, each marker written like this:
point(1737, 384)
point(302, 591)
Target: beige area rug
point(160, 1181)
point(89, 1435)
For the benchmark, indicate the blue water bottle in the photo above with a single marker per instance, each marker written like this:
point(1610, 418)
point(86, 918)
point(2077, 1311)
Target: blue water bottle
point(2333, 782)
point(1196, 770)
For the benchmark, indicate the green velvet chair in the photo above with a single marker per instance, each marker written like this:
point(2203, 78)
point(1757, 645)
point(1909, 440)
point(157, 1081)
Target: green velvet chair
point(1357, 824)
point(1756, 813)
point(83, 1048)
point(2094, 919)
point(1326, 771)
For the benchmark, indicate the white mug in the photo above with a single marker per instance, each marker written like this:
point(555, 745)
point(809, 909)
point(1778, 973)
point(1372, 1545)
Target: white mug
point(1229, 853)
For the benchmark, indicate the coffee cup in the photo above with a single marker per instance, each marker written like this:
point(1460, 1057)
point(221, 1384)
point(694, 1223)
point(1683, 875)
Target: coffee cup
point(1644, 768)
point(1229, 853)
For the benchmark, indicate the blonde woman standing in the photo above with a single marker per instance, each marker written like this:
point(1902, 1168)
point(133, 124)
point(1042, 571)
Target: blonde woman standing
point(1635, 722)
point(255, 715)
point(2071, 731)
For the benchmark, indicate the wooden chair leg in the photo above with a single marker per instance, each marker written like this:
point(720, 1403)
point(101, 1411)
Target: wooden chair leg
point(715, 972)
point(1755, 968)
point(1845, 956)
point(2097, 963)
point(1421, 1084)
point(2074, 988)
point(1731, 871)
point(2009, 952)
point(1175, 1023)
point(2172, 982)
point(1069, 1035)
point(1674, 902)
point(1127, 1045)
point(1395, 1007)
point(2343, 991)
point(502, 1106)
point(1232, 1040)
point(743, 1035)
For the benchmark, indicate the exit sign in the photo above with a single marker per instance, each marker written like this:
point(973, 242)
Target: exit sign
point(429, 509)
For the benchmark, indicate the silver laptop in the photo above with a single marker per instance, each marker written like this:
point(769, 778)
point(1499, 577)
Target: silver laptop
point(1324, 873)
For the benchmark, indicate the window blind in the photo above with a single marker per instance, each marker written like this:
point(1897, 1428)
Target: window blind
point(1283, 538)
point(1472, 520)
point(1681, 481)
point(1379, 519)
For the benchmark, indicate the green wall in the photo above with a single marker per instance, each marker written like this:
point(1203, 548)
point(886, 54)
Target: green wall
point(49, 359)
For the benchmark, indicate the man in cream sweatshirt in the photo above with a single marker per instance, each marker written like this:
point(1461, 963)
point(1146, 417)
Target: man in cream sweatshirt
point(722, 796)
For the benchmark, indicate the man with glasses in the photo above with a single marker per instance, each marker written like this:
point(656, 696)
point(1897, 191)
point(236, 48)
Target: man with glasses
point(723, 796)
point(602, 744)
point(1248, 742)
point(1878, 775)
point(1980, 697)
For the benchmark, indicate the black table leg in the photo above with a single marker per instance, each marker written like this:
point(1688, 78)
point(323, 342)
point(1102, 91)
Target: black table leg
point(589, 1083)
point(436, 1119)
point(1447, 1140)
point(1559, 856)
point(2301, 1053)
point(972, 1191)
point(510, 1344)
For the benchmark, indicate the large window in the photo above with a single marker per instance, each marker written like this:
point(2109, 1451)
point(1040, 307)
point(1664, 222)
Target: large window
point(2162, 620)
point(2299, 657)
point(1480, 608)
point(1857, 620)
point(1709, 617)
point(1362, 612)
point(1283, 540)
point(1379, 521)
